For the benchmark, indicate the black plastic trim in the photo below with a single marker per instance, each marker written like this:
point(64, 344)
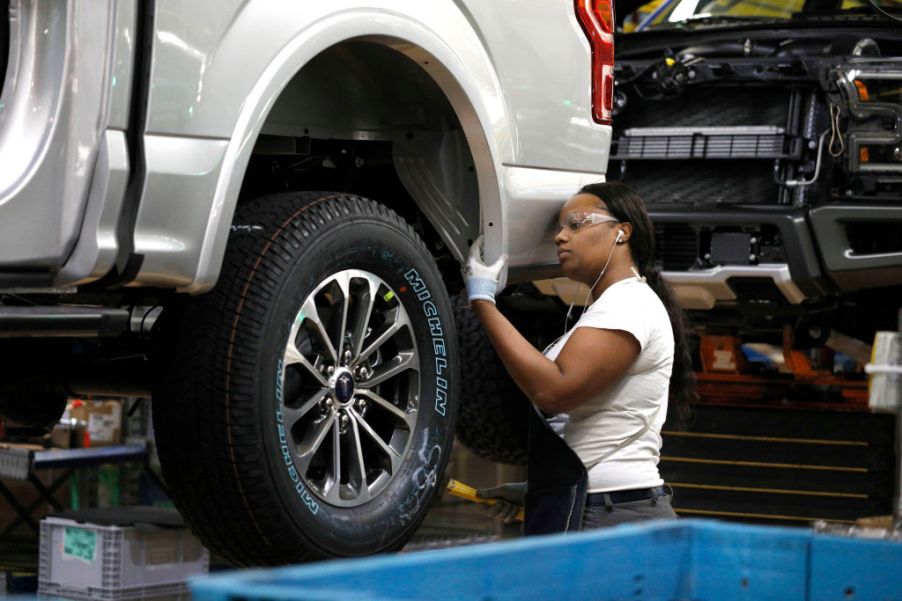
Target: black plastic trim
point(25, 279)
point(798, 243)
point(124, 270)
point(62, 321)
point(4, 40)
point(850, 270)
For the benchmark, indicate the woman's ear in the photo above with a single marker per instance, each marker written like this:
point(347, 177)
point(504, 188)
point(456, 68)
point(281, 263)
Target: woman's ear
point(626, 230)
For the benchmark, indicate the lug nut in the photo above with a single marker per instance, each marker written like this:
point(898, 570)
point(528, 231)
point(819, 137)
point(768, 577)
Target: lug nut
point(330, 370)
point(347, 357)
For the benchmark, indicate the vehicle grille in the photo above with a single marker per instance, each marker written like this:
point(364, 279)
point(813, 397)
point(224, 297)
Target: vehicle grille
point(758, 142)
point(676, 246)
point(706, 107)
point(702, 182)
point(708, 145)
point(874, 237)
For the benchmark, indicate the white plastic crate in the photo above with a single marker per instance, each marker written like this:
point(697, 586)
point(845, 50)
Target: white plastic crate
point(82, 560)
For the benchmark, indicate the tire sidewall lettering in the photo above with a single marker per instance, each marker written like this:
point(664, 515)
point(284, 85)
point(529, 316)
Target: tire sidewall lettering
point(437, 334)
point(303, 494)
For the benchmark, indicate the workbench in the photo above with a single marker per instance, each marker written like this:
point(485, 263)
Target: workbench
point(22, 462)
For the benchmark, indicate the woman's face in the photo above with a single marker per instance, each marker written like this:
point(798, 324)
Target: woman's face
point(586, 235)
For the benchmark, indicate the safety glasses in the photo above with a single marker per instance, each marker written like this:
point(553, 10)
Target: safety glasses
point(578, 220)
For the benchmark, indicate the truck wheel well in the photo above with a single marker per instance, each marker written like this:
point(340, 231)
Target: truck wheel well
point(363, 118)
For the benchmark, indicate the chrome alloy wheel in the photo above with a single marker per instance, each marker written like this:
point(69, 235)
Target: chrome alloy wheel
point(350, 388)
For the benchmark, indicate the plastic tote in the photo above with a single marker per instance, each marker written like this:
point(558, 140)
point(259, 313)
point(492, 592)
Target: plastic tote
point(688, 559)
point(143, 553)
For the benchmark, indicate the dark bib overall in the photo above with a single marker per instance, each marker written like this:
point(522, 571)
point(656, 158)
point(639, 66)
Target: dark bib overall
point(558, 482)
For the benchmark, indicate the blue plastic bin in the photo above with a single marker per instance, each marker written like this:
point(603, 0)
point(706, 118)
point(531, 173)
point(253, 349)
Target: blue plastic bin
point(690, 559)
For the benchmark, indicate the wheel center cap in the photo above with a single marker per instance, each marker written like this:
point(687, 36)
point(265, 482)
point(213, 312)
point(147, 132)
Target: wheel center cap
point(344, 387)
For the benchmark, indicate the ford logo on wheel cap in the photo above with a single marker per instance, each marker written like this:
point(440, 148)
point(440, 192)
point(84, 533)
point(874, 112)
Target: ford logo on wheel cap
point(344, 387)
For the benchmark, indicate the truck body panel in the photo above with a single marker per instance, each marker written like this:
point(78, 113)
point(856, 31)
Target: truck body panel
point(236, 90)
point(66, 83)
point(209, 94)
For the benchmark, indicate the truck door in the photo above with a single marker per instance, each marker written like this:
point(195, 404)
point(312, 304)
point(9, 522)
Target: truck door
point(64, 104)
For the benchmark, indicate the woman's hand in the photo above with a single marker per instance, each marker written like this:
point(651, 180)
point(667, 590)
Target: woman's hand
point(482, 281)
point(510, 499)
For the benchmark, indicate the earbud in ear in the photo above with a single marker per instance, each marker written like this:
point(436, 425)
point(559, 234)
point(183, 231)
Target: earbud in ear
point(619, 236)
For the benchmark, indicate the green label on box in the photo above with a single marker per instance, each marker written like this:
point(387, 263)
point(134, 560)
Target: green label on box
point(80, 544)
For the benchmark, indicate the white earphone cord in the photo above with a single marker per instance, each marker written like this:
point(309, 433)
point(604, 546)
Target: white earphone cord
point(585, 300)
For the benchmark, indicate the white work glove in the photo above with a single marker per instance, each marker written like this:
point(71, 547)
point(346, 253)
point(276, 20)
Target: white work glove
point(510, 498)
point(483, 281)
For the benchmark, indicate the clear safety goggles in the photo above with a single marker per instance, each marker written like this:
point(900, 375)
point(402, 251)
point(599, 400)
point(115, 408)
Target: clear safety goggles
point(578, 220)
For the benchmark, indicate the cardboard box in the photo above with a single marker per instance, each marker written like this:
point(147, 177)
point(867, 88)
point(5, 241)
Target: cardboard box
point(68, 435)
point(103, 419)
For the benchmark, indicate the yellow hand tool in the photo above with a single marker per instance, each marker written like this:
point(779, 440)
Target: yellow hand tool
point(459, 489)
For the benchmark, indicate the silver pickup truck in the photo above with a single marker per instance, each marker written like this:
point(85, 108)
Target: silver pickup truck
point(255, 210)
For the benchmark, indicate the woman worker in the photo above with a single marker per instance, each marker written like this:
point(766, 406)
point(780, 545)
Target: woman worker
point(606, 381)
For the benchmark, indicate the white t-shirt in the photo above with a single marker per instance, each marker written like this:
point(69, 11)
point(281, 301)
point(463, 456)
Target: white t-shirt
point(596, 428)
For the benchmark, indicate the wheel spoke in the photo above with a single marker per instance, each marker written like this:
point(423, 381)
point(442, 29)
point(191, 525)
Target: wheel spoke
point(405, 417)
point(359, 474)
point(399, 364)
point(306, 454)
point(400, 321)
point(362, 316)
point(343, 280)
point(333, 488)
point(291, 415)
point(311, 313)
point(293, 356)
point(393, 455)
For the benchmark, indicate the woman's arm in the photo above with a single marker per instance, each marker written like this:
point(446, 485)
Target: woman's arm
point(592, 360)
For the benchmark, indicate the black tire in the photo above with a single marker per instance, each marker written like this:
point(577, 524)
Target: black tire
point(234, 464)
point(493, 414)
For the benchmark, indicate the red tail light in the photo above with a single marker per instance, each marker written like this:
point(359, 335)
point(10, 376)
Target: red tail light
point(597, 20)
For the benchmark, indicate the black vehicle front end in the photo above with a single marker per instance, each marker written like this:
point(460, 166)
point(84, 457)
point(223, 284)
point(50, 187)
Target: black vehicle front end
point(769, 153)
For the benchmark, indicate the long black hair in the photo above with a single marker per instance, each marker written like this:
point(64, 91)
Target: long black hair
point(624, 204)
